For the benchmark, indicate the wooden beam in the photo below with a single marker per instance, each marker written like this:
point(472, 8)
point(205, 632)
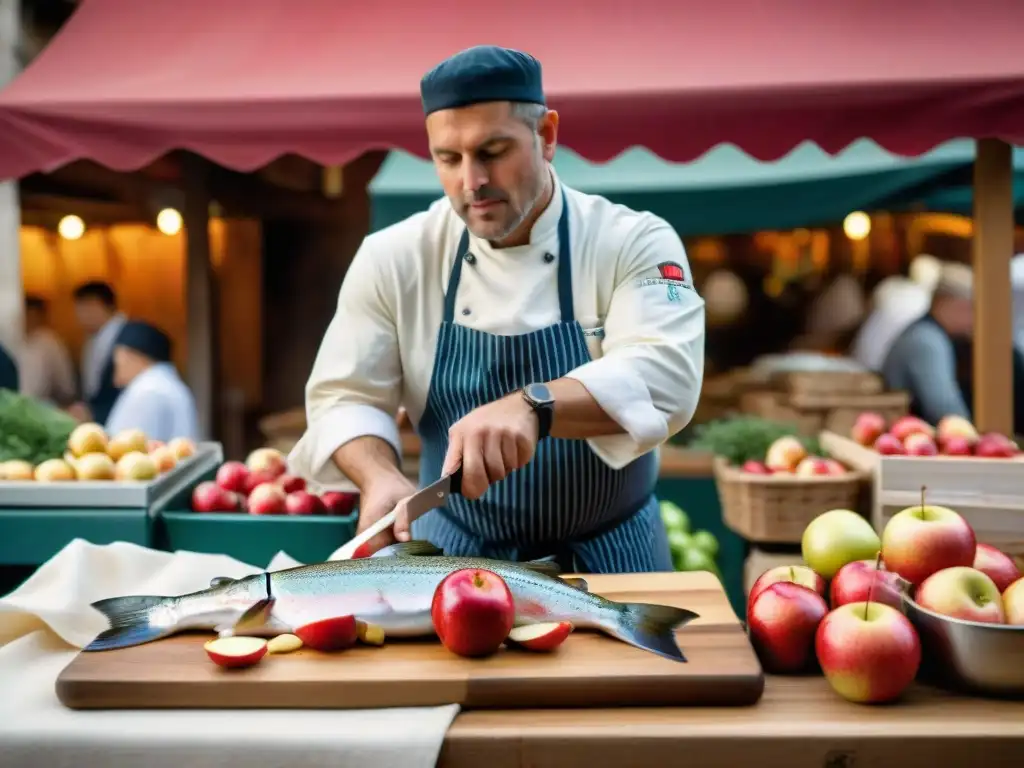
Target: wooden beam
point(993, 299)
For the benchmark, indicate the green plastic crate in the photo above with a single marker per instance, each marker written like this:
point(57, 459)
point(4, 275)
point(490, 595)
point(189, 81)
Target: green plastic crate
point(33, 536)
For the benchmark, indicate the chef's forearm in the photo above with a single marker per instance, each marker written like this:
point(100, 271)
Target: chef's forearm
point(367, 459)
point(577, 414)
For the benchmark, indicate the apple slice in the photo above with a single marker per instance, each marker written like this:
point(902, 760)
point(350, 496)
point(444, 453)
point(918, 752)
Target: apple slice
point(333, 634)
point(545, 636)
point(284, 644)
point(370, 634)
point(235, 652)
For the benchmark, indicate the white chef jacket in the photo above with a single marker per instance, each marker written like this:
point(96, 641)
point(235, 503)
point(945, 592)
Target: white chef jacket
point(159, 403)
point(45, 368)
point(646, 337)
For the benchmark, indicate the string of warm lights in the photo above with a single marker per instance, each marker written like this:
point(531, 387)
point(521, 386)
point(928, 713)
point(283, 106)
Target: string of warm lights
point(168, 221)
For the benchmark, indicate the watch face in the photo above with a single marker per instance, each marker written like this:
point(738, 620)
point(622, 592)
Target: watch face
point(539, 393)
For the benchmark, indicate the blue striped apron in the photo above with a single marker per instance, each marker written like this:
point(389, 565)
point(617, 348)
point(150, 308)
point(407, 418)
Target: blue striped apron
point(566, 501)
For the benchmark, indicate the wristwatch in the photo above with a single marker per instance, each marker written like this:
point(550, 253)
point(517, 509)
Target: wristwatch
point(538, 396)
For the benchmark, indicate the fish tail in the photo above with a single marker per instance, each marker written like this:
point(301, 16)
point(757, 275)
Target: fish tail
point(651, 627)
point(129, 619)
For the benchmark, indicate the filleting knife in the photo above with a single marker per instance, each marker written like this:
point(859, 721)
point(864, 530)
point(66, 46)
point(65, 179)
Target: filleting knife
point(421, 502)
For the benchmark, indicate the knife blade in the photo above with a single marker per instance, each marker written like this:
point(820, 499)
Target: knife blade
point(421, 502)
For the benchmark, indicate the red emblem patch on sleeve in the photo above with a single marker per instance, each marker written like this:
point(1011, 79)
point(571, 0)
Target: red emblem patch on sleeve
point(671, 271)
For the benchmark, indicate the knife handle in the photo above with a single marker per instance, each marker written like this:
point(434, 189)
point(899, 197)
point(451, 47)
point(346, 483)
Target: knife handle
point(455, 481)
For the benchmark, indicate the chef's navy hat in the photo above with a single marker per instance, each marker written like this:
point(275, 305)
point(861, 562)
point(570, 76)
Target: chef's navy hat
point(479, 74)
point(144, 338)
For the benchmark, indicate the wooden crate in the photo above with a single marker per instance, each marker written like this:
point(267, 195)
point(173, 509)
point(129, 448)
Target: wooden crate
point(811, 383)
point(813, 412)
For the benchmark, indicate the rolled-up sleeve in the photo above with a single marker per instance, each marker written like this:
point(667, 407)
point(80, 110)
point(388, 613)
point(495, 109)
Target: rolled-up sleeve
point(649, 376)
point(354, 389)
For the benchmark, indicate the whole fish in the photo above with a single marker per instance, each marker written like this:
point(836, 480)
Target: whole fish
point(393, 590)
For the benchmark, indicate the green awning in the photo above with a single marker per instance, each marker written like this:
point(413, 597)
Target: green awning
point(725, 191)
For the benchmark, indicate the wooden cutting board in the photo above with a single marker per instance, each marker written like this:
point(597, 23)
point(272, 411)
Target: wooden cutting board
point(589, 669)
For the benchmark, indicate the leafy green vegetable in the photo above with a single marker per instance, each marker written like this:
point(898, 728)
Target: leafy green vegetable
point(744, 438)
point(30, 430)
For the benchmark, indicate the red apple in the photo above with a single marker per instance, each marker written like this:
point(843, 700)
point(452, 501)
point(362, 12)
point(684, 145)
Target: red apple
point(919, 444)
point(997, 565)
point(266, 499)
point(291, 483)
point(545, 636)
point(473, 612)
point(835, 468)
point(269, 460)
point(905, 426)
point(210, 497)
point(921, 540)
point(813, 465)
point(995, 446)
point(962, 593)
point(258, 478)
point(236, 651)
point(782, 622)
point(756, 468)
point(797, 574)
point(868, 428)
point(303, 503)
point(338, 503)
point(957, 446)
point(334, 634)
point(1013, 603)
point(860, 582)
point(869, 652)
point(890, 445)
point(233, 476)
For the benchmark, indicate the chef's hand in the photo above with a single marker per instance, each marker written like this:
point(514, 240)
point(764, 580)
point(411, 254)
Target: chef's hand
point(378, 499)
point(491, 442)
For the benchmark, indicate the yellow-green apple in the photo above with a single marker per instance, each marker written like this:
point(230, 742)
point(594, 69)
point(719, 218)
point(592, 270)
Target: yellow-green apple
point(921, 540)
point(16, 469)
point(125, 442)
point(868, 427)
point(473, 611)
point(797, 574)
point(136, 465)
point(995, 446)
point(54, 471)
point(889, 445)
point(784, 454)
point(267, 460)
point(95, 466)
point(962, 593)
point(835, 538)
point(756, 468)
point(87, 438)
point(955, 426)
point(919, 444)
point(1013, 603)
point(997, 565)
point(813, 465)
point(182, 448)
point(869, 652)
point(163, 458)
point(860, 581)
point(905, 426)
point(782, 622)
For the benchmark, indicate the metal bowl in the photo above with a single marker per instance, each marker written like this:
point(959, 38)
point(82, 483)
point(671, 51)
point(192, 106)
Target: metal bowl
point(986, 659)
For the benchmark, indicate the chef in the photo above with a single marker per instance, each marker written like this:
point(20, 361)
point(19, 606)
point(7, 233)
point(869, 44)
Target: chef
point(153, 397)
point(544, 340)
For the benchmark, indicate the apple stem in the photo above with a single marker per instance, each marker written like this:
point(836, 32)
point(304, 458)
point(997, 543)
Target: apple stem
point(874, 580)
point(923, 513)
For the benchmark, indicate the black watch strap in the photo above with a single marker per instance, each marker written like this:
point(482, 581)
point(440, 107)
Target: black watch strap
point(545, 410)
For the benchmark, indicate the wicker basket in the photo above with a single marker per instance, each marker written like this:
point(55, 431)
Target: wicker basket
point(777, 508)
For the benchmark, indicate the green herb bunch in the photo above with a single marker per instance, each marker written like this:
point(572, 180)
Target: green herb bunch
point(744, 438)
point(31, 430)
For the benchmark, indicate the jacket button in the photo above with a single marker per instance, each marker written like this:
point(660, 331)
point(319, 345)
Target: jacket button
point(549, 257)
point(465, 311)
point(470, 258)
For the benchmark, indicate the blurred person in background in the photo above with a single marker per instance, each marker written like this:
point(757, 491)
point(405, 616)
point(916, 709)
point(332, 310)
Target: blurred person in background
point(835, 315)
point(897, 302)
point(923, 359)
point(153, 397)
point(8, 371)
point(96, 309)
point(47, 370)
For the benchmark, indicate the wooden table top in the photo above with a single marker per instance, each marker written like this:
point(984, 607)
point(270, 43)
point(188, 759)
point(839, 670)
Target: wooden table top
point(799, 722)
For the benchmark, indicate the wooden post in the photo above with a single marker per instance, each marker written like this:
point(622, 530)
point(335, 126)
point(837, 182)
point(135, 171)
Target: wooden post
point(201, 300)
point(993, 298)
point(12, 295)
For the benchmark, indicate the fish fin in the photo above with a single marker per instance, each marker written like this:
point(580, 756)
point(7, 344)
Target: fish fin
point(409, 549)
point(577, 583)
point(547, 566)
point(129, 619)
point(257, 617)
point(652, 627)
point(220, 581)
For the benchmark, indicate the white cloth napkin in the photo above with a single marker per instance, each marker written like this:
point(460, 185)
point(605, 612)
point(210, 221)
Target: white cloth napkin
point(44, 621)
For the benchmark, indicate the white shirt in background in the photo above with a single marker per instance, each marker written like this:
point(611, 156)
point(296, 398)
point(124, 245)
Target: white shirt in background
point(645, 336)
point(159, 403)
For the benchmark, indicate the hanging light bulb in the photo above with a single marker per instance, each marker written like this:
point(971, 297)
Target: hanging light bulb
point(71, 227)
point(857, 225)
point(169, 221)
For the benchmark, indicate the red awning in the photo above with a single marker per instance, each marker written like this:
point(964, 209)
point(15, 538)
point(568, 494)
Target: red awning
point(244, 81)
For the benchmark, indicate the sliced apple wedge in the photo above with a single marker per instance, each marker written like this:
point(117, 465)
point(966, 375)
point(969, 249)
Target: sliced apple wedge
point(234, 652)
point(545, 636)
point(284, 644)
point(333, 634)
point(370, 634)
